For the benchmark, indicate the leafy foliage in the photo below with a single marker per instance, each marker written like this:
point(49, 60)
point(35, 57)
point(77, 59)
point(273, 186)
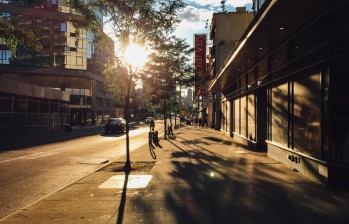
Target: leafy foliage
point(139, 21)
point(146, 22)
point(14, 36)
point(168, 66)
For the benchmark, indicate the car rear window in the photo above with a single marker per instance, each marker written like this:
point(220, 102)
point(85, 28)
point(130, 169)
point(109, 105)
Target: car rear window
point(114, 120)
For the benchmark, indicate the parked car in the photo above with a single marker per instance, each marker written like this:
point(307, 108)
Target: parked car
point(115, 124)
point(148, 119)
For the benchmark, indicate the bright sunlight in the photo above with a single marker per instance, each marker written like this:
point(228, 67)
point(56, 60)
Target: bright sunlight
point(136, 55)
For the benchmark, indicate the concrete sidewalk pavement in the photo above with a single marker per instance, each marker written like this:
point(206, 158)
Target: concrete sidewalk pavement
point(201, 176)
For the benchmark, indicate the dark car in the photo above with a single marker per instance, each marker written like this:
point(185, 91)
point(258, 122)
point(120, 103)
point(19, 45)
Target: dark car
point(115, 124)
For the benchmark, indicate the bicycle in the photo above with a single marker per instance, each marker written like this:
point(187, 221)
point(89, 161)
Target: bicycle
point(169, 131)
point(150, 142)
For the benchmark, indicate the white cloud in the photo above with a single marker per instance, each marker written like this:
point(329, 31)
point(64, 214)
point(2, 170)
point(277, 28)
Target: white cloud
point(193, 20)
point(194, 15)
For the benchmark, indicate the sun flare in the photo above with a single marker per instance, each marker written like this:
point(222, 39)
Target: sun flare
point(136, 55)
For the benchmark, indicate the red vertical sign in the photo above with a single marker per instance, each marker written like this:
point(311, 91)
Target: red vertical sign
point(200, 64)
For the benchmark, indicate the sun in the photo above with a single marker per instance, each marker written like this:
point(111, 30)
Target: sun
point(135, 55)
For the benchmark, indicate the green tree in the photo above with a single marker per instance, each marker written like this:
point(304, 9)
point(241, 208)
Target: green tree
point(146, 22)
point(169, 65)
point(11, 34)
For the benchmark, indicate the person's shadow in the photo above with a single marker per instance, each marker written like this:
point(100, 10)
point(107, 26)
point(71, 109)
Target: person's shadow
point(157, 144)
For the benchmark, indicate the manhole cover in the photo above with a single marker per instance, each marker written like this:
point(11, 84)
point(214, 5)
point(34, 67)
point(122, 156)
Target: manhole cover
point(133, 181)
point(94, 161)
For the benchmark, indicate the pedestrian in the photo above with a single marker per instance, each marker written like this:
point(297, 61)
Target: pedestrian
point(152, 124)
point(196, 121)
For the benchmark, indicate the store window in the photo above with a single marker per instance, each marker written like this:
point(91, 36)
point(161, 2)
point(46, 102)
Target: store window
point(307, 104)
point(25, 58)
point(5, 56)
point(251, 118)
point(243, 123)
point(237, 116)
point(279, 114)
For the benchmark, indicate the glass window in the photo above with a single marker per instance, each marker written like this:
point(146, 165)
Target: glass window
point(60, 60)
point(307, 104)
point(5, 56)
point(237, 116)
point(243, 116)
point(79, 61)
point(25, 58)
point(279, 114)
point(228, 116)
point(223, 120)
point(6, 105)
point(63, 27)
point(251, 118)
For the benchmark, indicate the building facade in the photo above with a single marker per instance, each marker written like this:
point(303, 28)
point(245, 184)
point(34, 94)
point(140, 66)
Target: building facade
point(283, 87)
point(225, 32)
point(69, 62)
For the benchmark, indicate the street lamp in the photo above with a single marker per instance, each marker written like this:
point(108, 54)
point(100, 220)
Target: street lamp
point(135, 57)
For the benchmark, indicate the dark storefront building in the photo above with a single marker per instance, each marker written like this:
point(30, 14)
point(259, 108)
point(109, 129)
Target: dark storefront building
point(284, 87)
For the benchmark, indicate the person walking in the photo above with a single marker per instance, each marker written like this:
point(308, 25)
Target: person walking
point(152, 124)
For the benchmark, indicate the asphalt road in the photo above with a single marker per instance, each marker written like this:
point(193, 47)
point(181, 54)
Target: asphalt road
point(31, 173)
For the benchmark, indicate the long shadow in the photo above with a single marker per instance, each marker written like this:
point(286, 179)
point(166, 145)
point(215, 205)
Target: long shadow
point(206, 187)
point(242, 190)
point(152, 153)
point(121, 209)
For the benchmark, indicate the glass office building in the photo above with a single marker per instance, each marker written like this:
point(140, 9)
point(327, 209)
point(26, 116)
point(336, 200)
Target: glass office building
point(67, 62)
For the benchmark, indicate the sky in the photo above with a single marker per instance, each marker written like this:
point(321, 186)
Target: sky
point(195, 15)
point(196, 18)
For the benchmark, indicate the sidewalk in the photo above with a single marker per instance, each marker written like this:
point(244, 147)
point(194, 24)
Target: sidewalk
point(201, 176)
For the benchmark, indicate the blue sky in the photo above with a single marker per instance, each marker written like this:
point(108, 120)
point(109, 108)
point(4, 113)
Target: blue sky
point(194, 16)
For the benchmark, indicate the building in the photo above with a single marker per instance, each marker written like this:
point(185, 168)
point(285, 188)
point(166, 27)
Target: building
point(225, 32)
point(189, 97)
point(69, 63)
point(283, 87)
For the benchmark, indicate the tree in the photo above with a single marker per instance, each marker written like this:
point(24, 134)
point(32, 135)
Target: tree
point(168, 65)
point(11, 34)
point(139, 21)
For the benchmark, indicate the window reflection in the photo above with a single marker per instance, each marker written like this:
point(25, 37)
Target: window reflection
point(279, 115)
point(237, 116)
point(251, 119)
point(243, 116)
point(307, 104)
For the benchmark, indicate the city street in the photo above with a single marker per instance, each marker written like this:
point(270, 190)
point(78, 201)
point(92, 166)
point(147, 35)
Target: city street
point(31, 173)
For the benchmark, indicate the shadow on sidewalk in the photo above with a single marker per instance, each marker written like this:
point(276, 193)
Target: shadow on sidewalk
point(121, 209)
point(214, 180)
